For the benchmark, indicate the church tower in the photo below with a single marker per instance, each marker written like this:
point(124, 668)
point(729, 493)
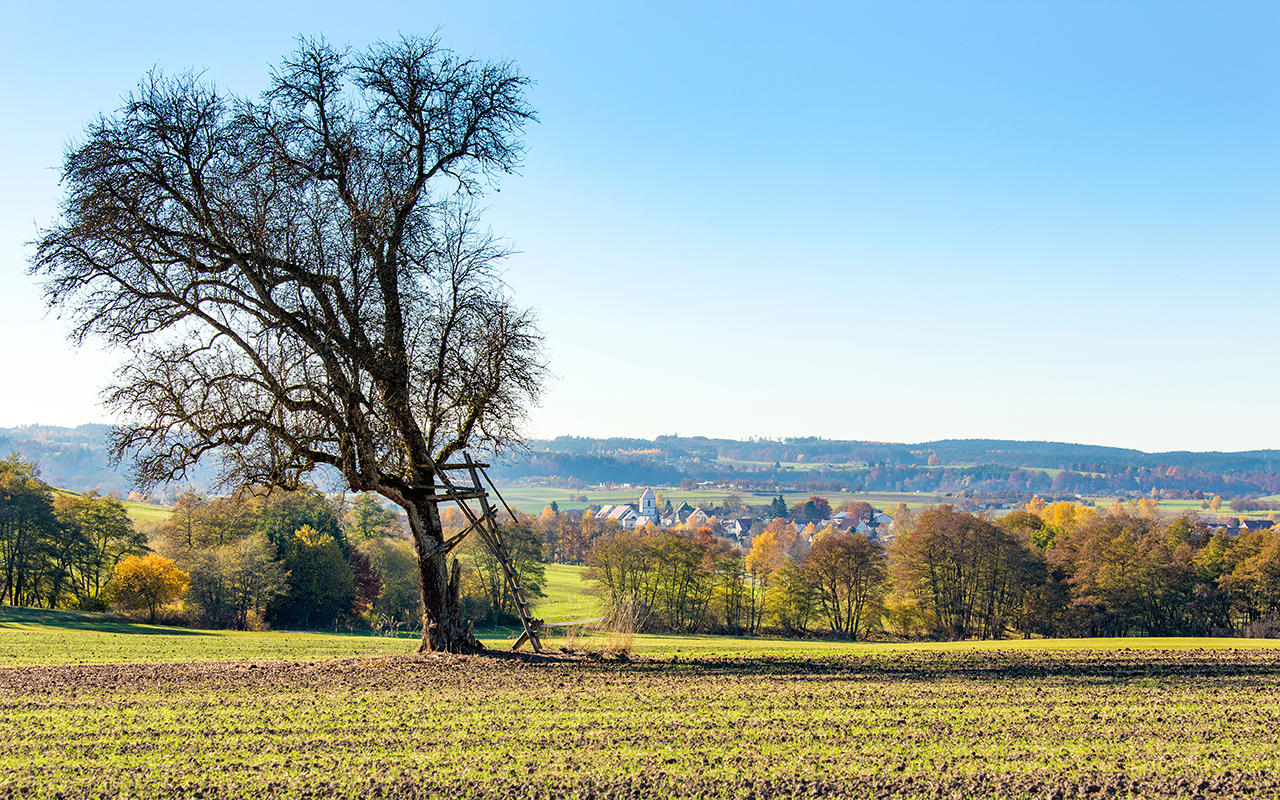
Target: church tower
point(649, 505)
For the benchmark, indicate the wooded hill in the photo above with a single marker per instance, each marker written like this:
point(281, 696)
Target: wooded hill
point(951, 465)
point(75, 458)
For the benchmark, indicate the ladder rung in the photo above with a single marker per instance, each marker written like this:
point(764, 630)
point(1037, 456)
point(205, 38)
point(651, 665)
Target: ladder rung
point(469, 493)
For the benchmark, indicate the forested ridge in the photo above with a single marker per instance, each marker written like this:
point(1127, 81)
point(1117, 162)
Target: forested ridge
point(75, 458)
point(816, 464)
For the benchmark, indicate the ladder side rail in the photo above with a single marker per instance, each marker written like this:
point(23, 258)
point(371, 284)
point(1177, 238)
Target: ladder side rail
point(476, 523)
point(484, 503)
point(513, 583)
point(448, 544)
point(496, 493)
point(501, 499)
point(454, 495)
point(491, 538)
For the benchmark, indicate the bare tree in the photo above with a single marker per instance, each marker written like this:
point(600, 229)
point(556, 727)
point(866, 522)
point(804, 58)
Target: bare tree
point(301, 281)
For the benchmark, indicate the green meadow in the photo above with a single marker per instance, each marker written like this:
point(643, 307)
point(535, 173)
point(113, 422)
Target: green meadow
point(30, 637)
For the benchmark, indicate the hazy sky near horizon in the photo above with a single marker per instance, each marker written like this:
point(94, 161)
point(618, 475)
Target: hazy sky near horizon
point(895, 221)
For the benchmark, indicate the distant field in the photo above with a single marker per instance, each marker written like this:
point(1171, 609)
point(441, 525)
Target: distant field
point(145, 512)
point(138, 512)
point(566, 599)
point(533, 500)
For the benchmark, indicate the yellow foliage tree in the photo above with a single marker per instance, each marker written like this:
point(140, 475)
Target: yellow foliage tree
point(768, 553)
point(1066, 517)
point(147, 582)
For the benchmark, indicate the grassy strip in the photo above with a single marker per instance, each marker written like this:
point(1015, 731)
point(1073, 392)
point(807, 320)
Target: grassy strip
point(37, 637)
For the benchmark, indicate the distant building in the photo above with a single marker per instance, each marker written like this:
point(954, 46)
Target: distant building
point(633, 515)
point(648, 507)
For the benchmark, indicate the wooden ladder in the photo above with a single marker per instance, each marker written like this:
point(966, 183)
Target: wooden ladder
point(486, 525)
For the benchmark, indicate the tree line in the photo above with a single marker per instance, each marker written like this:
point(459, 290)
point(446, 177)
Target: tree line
point(58, 549)
point(1055, 570)
point(285, 559)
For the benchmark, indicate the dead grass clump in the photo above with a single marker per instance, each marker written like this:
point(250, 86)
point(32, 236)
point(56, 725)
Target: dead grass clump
point(621, 624)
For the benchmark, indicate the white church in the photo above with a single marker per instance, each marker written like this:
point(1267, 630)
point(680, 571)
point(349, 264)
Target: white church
point(633, 515)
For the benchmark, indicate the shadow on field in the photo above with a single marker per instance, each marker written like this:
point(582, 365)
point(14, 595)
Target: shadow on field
point(979, 665)
point(13, 616)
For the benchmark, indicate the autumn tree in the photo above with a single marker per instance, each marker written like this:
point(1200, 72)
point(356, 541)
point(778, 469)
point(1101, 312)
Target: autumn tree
point(812, 510)
point(575, 533)
point(180, 527)
point(617, 564)
point(965, 570)
point(1135, 571)
point(320, 584)
point(29, 532)
point(793, 598)
point(102, 534)
point(851, 575)
point(280, 515)
point(400, 601)
point(1253, 580)
point(904, 520)
point(146, 582)
point(768, 554)
point(302, 280)
point(231, 585)
point(858, 509)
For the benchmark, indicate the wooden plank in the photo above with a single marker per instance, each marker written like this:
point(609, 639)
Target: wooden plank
point(464, 494)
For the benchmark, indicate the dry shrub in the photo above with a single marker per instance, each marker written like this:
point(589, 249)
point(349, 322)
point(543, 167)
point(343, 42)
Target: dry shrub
point(1266, 628)
point(622, 623)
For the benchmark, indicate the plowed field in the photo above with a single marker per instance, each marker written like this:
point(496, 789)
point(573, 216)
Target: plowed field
point(906, 724)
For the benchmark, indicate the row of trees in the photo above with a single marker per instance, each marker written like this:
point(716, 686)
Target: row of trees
point(1052, 570)
point(281, 557)
point(58, 549)
point(288, 559)
point(692, 580)
point(291, 559)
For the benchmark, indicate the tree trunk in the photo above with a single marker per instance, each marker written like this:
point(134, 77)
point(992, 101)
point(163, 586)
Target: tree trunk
point(443, 629)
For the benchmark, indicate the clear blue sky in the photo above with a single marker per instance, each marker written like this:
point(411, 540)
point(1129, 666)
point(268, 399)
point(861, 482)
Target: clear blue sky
point(895, 221)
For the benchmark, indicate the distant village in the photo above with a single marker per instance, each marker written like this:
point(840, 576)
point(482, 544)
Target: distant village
point(871, 522)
